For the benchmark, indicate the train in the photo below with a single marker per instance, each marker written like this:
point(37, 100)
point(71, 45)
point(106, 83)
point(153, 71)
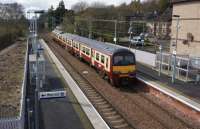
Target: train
point(116, 64)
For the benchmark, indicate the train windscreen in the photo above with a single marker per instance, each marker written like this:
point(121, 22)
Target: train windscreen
point(123, 60)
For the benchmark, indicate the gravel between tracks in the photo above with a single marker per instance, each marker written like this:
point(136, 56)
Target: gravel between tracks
point(136, 107)
point(11, 77)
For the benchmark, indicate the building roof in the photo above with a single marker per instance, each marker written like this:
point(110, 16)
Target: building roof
point(181, 1)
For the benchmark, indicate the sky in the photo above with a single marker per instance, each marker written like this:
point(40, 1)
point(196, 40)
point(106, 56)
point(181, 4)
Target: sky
point(45, 4)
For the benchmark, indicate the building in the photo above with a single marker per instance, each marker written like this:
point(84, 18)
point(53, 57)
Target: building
point(159, 29)
point(11, 11)
point(188, 41)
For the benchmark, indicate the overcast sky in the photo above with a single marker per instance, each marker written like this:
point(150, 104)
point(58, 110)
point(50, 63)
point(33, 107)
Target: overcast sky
point(45, 4)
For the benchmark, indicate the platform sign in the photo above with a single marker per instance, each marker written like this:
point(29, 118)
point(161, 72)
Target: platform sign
point(52, 94)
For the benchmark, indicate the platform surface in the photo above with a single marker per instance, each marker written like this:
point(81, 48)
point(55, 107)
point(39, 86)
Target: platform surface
point(92, 114)
point(60, 113)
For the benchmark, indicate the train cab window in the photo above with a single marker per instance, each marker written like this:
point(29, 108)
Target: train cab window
point(97, 56)
point(122, 60)
point(106, 62)
point(102, 59)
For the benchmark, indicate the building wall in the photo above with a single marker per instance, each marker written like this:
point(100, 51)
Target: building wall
point(159, 29)
point(187, 10)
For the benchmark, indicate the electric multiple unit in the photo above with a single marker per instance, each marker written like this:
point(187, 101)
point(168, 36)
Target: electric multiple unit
point(115, 63)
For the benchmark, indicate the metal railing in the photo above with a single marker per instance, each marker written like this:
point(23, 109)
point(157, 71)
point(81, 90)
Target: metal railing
point(186, 68)
point(19, 121)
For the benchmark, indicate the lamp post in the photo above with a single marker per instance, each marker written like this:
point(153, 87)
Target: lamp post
point(115, 38)
point(160, 64)
point(130, 32)
point(174, 66)
point(177, 28)
point(175, 49)
point(34, 24)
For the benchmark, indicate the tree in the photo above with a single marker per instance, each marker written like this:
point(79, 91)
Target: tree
point(51, 17)
point(60, 12)
point(136, 6)
point(163, 5)
point(80, 6)
point(97, 4)
point(68, 24)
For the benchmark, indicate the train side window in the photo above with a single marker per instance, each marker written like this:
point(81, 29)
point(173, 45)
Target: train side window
point(83, 49)
point(107, 62)
point(87, 51)
point(97, 56)
point(102, 59)
point(77, 45)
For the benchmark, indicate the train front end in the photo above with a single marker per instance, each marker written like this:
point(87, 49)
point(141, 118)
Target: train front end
point(123, 67)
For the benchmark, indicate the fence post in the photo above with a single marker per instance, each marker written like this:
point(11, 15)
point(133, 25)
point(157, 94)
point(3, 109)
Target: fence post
point(160, 63)
point(198, 77)
point(115, 38)
point(174, 66)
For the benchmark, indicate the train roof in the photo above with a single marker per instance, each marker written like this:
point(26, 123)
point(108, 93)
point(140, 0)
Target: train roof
point(98, 45)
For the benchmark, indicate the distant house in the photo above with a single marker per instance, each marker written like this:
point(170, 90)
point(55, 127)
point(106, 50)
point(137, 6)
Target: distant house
point(160, 29)
point(188, 42)
point(10, 11)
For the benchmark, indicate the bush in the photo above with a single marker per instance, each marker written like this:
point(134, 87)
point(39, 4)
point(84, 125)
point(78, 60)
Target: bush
point(10, 31)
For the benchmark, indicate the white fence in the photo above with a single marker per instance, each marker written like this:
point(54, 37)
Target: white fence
point(145, 57)
point(186, 68)
point(18, 122)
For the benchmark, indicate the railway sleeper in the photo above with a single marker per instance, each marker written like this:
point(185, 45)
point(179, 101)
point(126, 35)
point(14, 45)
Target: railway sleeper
point(87, 87)
point(122, 126)
point(93, 94)
point(108, 113)
point(91, 91)
point(100, 103)
point(103, 106)
point(118, 121)
point(95, 97)
point(83, 84)
point(98, 100)
point(114, 117)
point(107, 109)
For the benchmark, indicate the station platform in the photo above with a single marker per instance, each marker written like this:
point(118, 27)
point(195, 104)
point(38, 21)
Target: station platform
point(74, 111)
point(187, 93)
point(187, 89)
point(60, 113)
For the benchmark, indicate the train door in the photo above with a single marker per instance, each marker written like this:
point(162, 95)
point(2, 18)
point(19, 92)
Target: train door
point(107, 63)
point(92, 56)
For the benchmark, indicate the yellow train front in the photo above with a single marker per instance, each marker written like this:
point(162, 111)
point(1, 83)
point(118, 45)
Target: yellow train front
point(123, 67)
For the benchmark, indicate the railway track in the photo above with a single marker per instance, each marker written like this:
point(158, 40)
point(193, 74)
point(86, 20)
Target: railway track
point(152, 114)
point(109, 113)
